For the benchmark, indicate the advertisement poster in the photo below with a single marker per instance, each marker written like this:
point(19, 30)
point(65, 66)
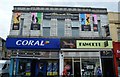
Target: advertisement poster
point(28, 67)
point(16, 21)
point(49, 69)
point(36, 19)
point(85, 22)
point(95, 22)
point(55, 68)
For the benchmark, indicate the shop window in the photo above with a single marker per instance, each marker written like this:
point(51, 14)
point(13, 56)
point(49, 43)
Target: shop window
point(89, 66)
point(24, 68)
point(68, 66)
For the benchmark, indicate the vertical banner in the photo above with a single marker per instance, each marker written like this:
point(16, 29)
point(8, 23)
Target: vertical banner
point(87, 19)
point(94, 18)
point(95, 23)
point(28, 68)
point(85, 22)
point(82, 19)
point(39, 15)
point(16, 18)
point(36, 20)
point(55, 69)
point(49, 69)
point(16, 21)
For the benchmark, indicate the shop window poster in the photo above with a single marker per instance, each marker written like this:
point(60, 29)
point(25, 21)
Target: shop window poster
point(36, 20)
point(49, 69)
point(16, 21)
point(55, 69)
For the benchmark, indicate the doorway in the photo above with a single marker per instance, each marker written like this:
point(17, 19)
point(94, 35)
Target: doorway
point(40, 69)
point(77, 72)
point(108, 68)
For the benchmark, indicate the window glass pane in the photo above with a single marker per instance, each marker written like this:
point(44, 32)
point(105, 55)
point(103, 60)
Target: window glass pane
point(86, 27)
point(95, 27)
point(75, 31)
point(35, 26)
point(46, 23)
point(60, 26)
point(15, 26)
point(46, 31)
point(75, 23)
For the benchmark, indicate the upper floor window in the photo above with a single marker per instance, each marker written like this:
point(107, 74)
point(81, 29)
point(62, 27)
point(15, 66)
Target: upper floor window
point(46, 31)
point(75, 31)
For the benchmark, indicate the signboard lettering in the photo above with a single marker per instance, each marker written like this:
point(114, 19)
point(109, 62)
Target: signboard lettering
point(30, 42)
point(93, 44)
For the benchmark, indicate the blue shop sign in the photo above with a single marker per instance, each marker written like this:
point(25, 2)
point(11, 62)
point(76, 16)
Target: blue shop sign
point(33, 43)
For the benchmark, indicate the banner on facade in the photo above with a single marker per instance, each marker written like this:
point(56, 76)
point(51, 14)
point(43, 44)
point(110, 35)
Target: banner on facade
point(61, 16)
point(33, 43)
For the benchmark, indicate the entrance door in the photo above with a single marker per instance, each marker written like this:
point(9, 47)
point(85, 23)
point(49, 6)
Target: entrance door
point(77, 72)
point(107, 65)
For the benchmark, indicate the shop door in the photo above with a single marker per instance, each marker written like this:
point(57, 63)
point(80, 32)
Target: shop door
point(107, 65)
point(77, 69)
point(41, 69)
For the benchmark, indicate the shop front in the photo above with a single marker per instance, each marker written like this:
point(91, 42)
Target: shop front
point(116, 49)
point(84, 56)
point(34, 57)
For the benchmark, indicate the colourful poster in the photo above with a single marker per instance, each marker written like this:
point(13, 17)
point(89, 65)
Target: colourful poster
point(39, 15)
point(16, 21)
point(87, 19)
point(36, 18)
point(94, 16)
point(16, 18)
point(82, 18)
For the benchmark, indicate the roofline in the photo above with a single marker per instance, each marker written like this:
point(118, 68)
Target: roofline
point(62, 7)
